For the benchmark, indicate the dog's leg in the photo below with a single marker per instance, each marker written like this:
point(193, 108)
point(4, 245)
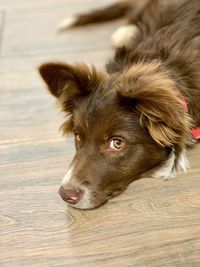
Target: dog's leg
point(145, 21)
point(165, 171)
point(182, 163)
point(117, 10)
point(175, 163)
point(124, 35)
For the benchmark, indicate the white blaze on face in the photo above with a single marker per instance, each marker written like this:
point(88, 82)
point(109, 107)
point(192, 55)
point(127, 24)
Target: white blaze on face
point(68, 176)
point(85, 201)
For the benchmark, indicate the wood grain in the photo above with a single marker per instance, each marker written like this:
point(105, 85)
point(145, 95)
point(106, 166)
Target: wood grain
point(69, 4)
point(2, 23)
point(153, 223)
point(38, 26)
point(27, 110)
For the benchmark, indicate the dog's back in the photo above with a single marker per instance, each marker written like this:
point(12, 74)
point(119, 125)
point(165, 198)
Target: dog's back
point(168, 31)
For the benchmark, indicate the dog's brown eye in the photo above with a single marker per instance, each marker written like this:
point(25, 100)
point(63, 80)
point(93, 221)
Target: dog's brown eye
point(77, 137)
point(116, 144)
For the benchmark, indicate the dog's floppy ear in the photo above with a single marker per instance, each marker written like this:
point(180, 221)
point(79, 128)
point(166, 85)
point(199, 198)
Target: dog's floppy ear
point(67, 82)
point(157, 102)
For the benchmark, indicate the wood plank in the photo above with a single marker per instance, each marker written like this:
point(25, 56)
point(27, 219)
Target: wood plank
point(27, 111)
point(73, 4)
point(2, 22)
point(154, 223)
point(33, 31)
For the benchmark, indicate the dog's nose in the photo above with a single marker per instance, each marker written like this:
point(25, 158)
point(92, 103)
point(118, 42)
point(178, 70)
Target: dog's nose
point(71, 196)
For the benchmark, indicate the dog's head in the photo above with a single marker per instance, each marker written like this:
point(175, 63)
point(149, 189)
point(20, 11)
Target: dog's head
point(125, 125)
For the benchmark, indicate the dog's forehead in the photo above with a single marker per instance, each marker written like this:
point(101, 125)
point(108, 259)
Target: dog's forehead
point(96, 107)
point(102, 113)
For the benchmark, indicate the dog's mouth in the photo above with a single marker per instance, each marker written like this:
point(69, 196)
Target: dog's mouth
point(85, 198)
point(115, 193)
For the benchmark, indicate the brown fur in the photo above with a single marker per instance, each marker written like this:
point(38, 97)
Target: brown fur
point(114, 11)
point(138, 99)
point(158, 102)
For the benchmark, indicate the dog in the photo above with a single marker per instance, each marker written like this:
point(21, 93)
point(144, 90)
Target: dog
point(137, 118)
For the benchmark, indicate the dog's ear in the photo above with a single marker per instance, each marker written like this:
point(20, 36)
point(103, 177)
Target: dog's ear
point(67, 82)
point(157, 101)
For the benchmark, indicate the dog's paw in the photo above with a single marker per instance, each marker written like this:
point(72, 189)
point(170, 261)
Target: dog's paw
point(182, 164)
point(173, 165)
point(67, 23)
point(166, 171)
point(124, 35)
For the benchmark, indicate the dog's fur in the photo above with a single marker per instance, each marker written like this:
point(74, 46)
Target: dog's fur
point(129, 122)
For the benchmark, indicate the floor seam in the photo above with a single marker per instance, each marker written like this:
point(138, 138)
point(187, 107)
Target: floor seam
point(2, 27)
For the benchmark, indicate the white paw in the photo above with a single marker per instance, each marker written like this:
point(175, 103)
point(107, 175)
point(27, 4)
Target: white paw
point(166, 170)
point(123, 35)
point(182, 162)
point(67, 23)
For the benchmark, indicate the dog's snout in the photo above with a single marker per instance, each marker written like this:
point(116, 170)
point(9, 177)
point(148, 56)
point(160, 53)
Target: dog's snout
point(71, 196)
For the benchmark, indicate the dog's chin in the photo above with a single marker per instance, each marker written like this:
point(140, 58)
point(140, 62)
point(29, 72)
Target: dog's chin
point(116, 193)
point(96, 201)
point(90, 206)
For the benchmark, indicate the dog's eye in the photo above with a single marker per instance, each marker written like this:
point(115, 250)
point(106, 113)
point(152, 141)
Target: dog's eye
point(77, 137)
point(116, 144)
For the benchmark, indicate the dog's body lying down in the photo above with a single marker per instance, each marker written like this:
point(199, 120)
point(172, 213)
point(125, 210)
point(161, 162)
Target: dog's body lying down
point(137, 119)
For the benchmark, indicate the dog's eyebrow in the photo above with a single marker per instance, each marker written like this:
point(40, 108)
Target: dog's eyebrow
point(77, 128)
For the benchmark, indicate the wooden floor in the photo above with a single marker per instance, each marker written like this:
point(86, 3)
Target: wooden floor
point(154, 223)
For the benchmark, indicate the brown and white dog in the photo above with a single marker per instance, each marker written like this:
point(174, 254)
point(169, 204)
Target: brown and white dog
point(137, 118)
